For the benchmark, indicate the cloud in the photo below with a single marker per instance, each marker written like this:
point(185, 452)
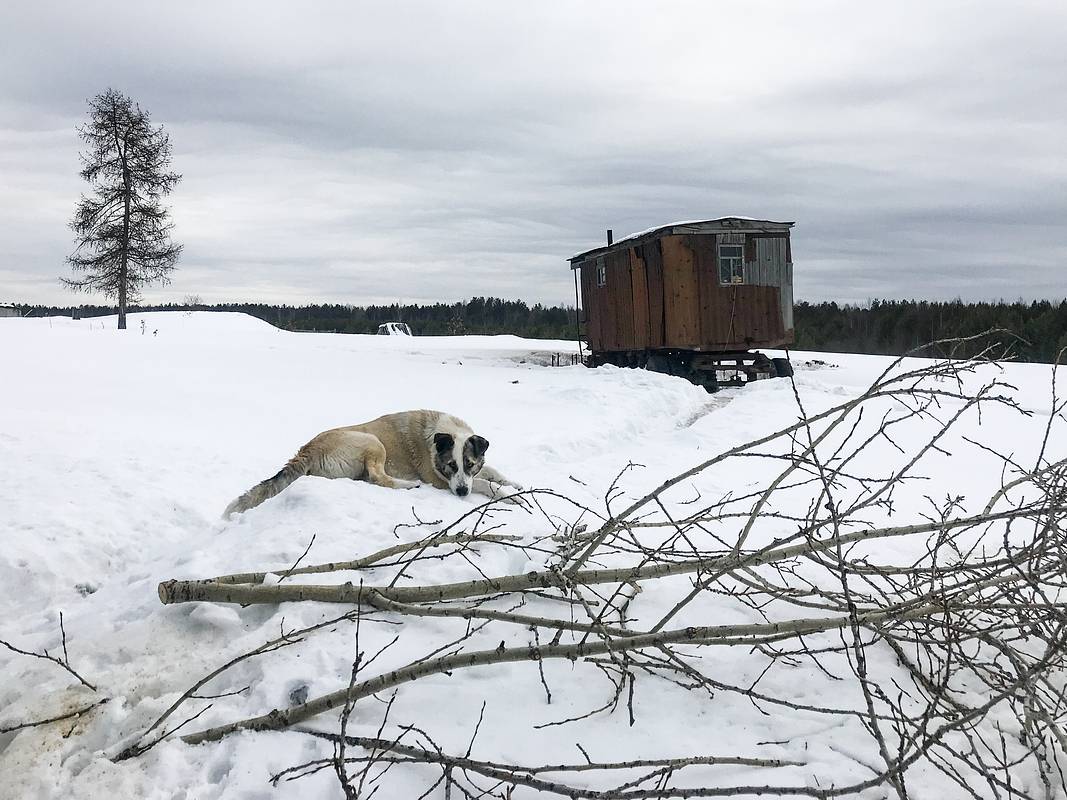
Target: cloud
point(423, 151)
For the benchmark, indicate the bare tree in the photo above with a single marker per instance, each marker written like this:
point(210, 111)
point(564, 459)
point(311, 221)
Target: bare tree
point(122, 231)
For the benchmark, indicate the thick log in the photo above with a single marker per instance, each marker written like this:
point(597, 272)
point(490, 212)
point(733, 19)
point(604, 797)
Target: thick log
point(175, 591)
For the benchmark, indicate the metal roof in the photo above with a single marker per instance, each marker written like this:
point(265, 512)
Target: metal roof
point(717, 225)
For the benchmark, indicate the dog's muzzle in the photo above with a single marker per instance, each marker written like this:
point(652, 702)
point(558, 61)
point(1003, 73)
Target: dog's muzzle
point(462, 491)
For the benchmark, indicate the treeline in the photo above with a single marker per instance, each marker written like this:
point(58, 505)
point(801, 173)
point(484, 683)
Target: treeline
point(892, 327)
point(884, 327)
point(479, 315)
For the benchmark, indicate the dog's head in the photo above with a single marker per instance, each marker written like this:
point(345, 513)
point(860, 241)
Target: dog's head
point(458, 460)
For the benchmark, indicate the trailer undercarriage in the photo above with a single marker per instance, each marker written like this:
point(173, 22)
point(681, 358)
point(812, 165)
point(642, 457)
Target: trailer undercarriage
point(713, 371)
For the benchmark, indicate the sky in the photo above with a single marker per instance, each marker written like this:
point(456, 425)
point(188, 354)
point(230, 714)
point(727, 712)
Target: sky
point(420, 151)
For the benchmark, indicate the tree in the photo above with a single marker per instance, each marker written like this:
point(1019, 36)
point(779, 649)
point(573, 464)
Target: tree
point(122, 231)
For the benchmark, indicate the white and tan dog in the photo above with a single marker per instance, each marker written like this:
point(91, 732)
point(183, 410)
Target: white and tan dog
point(398, 451)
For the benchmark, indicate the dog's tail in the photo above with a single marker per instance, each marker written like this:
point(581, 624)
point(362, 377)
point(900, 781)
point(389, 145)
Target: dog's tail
point(265, 490)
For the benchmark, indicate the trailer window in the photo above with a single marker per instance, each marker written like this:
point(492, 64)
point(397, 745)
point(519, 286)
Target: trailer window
point(731, 263)
point(601, 273)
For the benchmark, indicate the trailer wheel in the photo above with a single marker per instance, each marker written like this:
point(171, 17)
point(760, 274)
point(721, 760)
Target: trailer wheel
point(659, 363)
point(706, 379)
point(782, 367)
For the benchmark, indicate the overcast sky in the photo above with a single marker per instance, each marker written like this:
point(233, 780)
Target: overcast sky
point(422, 151)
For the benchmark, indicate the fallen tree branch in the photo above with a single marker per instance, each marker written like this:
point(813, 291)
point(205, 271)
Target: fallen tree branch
point(69, 715)
point(175, 591)
point(521, 775)
point(383, 603)
point(46, 656)
point(370, 560)
point(717, 634)
point(285, 640)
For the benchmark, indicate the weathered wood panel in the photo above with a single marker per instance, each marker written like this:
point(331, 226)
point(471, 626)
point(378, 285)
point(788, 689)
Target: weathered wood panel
point(750, 248)
point(743, 316)
point(611, 317)
point(760, 319)
point(639, 288)
point(768, 266)
point(772, 301)
point(606, 306)
point(586, 313)
point(595, 307)
point(591, 305)
point(773, 269)
point(653, 258)
point(603, 311)
point(623, 299)
point(705, 255)
point(753, 237)
point(725, 326)
point(681, 293)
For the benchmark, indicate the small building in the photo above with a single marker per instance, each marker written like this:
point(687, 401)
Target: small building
point(662, 297)
point(8, 310)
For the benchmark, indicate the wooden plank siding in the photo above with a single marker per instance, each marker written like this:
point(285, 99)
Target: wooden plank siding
point(607, 309)
point(639, 288)
point(611, 318)
point(680, 293)
point(707, 269)
point(652, 255)
point(596, 307)
point(590, 306)
point(620, 286)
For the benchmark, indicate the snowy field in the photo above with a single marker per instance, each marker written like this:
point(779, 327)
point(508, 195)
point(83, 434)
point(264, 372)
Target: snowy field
point(118, 452)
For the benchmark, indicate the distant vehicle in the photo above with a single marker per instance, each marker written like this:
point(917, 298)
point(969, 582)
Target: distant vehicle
point(691, 299)
point(394, 329)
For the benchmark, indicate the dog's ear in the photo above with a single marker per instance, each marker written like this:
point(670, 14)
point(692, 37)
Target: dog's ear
point(443, 442)
point(478, 445)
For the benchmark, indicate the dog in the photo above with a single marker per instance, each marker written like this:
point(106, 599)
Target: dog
point(398, 451)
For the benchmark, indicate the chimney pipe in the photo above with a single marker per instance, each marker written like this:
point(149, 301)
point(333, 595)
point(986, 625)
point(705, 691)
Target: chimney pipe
point(610, 238)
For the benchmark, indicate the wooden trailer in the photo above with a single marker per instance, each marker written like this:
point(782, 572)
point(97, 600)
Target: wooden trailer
point(691, 299)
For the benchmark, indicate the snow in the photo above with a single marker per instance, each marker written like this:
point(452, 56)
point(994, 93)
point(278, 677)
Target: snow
point(120, 450)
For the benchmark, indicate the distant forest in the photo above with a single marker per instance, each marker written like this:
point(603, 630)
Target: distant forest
point(885, 327)
point(892, 327)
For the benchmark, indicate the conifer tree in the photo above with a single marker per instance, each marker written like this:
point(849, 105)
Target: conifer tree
point(122, 230)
